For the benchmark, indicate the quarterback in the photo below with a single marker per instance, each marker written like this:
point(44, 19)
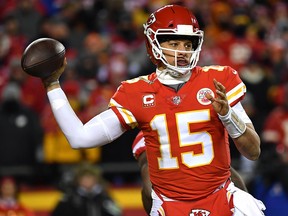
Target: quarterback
point(186, 114)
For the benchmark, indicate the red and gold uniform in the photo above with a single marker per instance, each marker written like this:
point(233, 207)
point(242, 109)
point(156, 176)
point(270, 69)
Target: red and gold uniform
point(186, 143)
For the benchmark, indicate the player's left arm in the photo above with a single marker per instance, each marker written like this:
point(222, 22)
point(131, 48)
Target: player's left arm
point(237, 179)
point(243, 134)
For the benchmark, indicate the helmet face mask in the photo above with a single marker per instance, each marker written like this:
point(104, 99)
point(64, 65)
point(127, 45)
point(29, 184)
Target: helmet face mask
point(173, 22)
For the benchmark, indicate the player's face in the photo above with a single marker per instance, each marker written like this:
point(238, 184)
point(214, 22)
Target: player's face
point(179, 52)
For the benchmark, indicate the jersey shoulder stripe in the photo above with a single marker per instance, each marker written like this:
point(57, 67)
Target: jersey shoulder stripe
point(126, 115)
point(236, 93)
point(229, 77)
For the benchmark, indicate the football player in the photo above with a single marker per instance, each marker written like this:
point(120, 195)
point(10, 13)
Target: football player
point(186, 113)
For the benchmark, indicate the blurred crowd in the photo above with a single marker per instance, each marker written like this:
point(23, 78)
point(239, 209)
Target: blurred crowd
point(104, 45)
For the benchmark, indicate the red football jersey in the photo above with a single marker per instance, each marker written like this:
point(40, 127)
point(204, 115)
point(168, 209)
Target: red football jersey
point(186, 144)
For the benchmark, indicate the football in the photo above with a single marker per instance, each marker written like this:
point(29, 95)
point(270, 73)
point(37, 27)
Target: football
point(42, 57)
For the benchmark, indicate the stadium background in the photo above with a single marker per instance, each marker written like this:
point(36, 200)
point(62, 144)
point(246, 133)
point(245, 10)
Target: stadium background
point(104, 43)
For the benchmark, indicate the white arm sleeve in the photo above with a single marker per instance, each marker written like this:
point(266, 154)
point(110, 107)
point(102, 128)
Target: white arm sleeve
point(100, 130)
point(239, 110)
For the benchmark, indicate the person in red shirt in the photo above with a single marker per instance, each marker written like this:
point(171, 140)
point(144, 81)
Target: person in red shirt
point(186, 114)
point(275, 125)
point(9, 203)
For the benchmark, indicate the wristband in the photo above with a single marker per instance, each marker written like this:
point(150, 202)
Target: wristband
point(53, 83)
point(233, 124)
point(46, 84)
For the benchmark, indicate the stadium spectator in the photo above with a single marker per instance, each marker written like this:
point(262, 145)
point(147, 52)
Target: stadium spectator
point(17, 40)
point(21, 135)
point(275, 126)
point(9, 200)
point(27, 11)
point(186, 113)
point(259, 87)
point(266, 29)
point(271, 183)
point(87, 195)
point(31, 90)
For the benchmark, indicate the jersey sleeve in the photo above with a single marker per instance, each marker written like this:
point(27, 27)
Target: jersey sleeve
point(120, 104)
point(138, 146)
point(235, 88)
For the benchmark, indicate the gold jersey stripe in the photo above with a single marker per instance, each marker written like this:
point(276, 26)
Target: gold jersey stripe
point(126, 114)
point(236, 92)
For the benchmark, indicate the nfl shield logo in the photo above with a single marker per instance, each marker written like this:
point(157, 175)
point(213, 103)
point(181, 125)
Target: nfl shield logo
point(176, 100)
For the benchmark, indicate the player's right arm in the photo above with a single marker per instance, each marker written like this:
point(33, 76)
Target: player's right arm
point(100, 130)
